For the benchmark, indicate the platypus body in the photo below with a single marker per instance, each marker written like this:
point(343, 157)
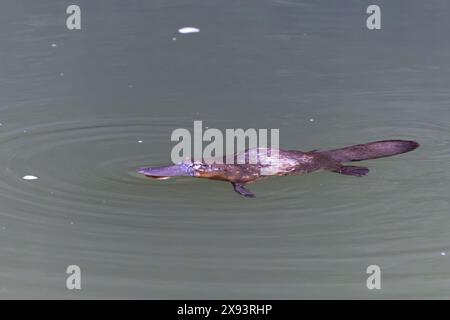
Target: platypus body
point(273, 162)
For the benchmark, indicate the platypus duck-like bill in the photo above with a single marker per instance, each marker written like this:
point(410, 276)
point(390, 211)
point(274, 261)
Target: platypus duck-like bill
point(273, 162)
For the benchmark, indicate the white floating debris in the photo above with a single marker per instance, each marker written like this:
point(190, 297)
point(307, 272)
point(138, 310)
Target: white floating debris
point(140, 141)
point(311, 120)
point(61, 74)
point(188, 30)
point(174, 39)
point(29, 177)
point(443, 253)
point(54, 45)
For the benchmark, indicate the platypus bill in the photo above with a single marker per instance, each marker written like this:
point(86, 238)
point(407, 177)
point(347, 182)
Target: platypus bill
point(288, 162)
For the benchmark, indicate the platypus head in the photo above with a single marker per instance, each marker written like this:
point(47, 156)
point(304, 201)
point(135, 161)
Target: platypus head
point(184, 169)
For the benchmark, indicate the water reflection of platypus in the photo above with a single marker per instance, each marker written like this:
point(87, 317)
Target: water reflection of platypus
point(286, 162)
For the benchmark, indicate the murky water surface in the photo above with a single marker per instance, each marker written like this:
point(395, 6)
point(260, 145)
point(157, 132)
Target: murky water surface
point(80, 109)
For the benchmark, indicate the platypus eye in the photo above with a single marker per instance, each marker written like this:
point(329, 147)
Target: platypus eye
point(198, 165)
point(192, 167)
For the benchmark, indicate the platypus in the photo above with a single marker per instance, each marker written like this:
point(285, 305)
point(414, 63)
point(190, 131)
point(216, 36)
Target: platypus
point(274, 162)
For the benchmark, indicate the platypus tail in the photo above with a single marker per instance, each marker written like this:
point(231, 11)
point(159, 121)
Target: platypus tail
point(372, 150)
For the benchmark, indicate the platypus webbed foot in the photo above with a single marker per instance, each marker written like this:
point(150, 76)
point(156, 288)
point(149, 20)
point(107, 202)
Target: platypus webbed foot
point(242, 190)
point(354, 171)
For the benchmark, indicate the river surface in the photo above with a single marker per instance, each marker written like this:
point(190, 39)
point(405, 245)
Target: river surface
point(80, 109)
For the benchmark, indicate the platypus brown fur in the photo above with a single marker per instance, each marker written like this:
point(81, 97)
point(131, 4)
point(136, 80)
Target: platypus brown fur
point(273, 162)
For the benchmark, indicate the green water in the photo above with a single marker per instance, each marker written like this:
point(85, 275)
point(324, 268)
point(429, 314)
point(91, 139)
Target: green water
point(73, 114)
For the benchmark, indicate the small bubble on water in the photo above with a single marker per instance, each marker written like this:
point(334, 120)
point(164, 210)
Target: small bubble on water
point(174, 39)
point(140, 141)
point(30, 177)
point(311, 120)
point(54, 45)
point(61, 74)
point(443, 253)
point(186, 30)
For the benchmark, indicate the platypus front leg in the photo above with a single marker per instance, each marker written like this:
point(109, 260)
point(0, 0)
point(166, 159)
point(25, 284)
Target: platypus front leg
point(242, 190)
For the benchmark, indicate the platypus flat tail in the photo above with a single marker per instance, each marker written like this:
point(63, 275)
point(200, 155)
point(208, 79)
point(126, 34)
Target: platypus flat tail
point(372, 150)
